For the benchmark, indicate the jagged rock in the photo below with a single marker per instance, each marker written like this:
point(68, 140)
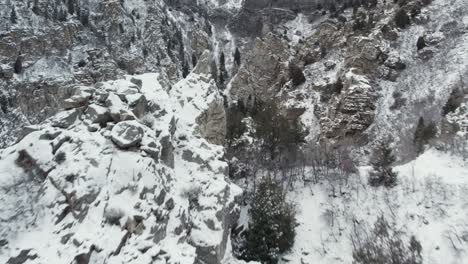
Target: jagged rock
point(426, 53)
point(352, 112)
point(200, 42)
point(137, 82)
point(329, 65)
point(170, 204)
point(264, 71)
point(6, 71)
point(118, 111)
point(204, 64)
point(98, 114)
point(23, 257)
point(65, 119)
point(394, 62)
point(80, 98)
point(138, 103)
point(389, 74)
point(167, 151)
point(28, 130)
point(212, 123)
point(189, 156)
point(127, 134)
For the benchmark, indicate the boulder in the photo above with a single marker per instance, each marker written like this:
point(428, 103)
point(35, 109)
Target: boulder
point(80, 97)
point(204, 64)
point(138, 103)
point(117, 109)
point(98, 114)
point(127, 134)
point(65, 119)
point(6, 71)
point(200, 42)
point(394, 62)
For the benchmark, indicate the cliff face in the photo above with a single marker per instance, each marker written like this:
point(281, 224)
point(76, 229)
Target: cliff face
point(122, 170)
point(113, 120)
point(50, 44)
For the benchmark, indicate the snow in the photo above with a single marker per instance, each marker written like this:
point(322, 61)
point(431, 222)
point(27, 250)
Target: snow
point(113, 179)
point(430, 202)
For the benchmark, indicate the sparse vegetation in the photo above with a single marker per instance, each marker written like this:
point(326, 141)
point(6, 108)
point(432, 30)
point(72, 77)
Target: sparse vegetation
point(273, 130)
point(454, 101)
point(384, 245)
point(382, 173)
point(272, 221)
point(401, 19)
point(296, 74)
point(423, 134)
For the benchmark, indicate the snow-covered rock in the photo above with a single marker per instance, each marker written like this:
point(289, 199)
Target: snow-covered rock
point(78, 191)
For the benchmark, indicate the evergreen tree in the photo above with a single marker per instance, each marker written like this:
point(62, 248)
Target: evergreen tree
point(235, 113)
point(35, 7)
point(423, 134)
point(13, 16)
point(222, 70)
point(275, 132)
point(454, 101)
point(194, 60)
point(71, 7)
point(18, 65)
point(271, 228)
point(237, 57)
point(185, 69)
point(382, 173)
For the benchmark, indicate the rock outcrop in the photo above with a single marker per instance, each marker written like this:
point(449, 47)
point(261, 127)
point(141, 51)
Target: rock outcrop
point(122, 187)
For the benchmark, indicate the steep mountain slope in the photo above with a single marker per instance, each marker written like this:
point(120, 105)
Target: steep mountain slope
point(135, 183)
point(114, 117)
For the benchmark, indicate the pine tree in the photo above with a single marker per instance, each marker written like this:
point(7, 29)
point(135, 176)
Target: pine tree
point(13, 16)
point(194, 60)
point(185, 69)
point(271, 228)
point(418, 134)
point(237, 57)
point(35, 7)
point(222, 70)
point(423, 134)
point(382, 173)
point(18, 65)
point(454, 101)
point(71, 7)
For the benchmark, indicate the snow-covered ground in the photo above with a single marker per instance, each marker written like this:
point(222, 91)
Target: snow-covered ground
point(430, 202)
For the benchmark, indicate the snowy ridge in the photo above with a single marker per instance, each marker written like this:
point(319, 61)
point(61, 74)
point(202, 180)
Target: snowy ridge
point(127, 202)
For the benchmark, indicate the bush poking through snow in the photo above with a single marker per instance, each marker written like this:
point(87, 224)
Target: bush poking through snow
point(60, 157)
point(271, 227)
point(275, 132)
point(383, 245)
point(454, 101)
point(401, 19)
point(423, 134)
point(296, 74)
point(382, 173)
